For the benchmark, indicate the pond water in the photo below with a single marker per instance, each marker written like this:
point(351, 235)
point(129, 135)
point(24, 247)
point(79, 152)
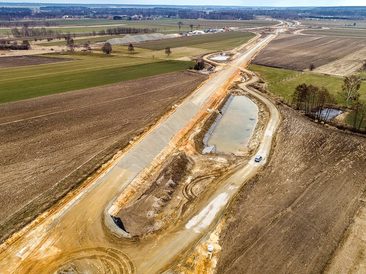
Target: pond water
point(220, 57)
point(231, 131)
point(329, 114)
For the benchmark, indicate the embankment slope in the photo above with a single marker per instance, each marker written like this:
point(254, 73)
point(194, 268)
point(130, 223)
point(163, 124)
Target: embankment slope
point(292, 217)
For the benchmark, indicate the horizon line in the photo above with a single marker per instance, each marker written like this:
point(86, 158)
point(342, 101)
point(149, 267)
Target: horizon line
point(178, 5)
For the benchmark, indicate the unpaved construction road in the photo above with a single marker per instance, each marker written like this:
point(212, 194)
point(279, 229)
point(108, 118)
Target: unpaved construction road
point(78, 235)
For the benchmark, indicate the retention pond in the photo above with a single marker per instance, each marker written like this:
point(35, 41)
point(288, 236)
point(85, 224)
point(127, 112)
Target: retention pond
point(231, 131)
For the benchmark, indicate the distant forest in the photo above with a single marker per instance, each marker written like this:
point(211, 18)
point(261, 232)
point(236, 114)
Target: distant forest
point(10, 13)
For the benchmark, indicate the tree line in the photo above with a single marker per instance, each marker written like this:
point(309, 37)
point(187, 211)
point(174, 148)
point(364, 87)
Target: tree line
point(312, 100)
point(35, 23)
point(50, 34)
point(317, 102)
point(14, 45)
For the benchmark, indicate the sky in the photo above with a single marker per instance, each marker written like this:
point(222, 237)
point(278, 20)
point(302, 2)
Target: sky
point(278, 3)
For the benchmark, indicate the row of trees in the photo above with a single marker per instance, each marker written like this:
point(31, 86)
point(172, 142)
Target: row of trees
point(107, 49)
point(351, 94)
point(50, 34)
point(14, 45)
point(123, 30)
point(314, 100)
point(191, 26)
point(34, 32)
point(34, 23)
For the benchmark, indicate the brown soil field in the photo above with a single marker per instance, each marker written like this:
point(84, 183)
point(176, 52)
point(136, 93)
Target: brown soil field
point(345, 66)
point(292, 216)
point(18, 61)
point(49, 145)
point(356, 33)
point(350, 257)
point(297, 52)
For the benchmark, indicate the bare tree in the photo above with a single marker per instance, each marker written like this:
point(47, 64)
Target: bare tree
point(364, 65)
point(70, 44)
point(311, 99)
point(87, 46)
point(323, 99)
point(168, 51)
point(107, 48)
point(26, 44)
point(350, 88)
point(180, 24)
point(359, 115)
point(299, 96)
point(200, 64)
point(131, 48)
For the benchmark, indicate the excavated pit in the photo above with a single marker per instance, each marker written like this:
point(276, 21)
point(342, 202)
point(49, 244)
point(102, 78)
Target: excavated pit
point(141, 217)
point(172, 190)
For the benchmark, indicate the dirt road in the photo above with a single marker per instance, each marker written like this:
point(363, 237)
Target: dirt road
point(76, 234)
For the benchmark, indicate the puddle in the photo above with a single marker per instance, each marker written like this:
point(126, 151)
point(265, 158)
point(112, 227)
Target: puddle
point(329, 114)
point(220, 57)
point(231, 132)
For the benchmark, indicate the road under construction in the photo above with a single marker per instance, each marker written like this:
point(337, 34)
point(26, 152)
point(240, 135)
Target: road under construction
point(81, 234)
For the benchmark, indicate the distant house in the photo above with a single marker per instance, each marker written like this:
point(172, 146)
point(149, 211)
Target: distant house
point(136, 17)
point(121, 17)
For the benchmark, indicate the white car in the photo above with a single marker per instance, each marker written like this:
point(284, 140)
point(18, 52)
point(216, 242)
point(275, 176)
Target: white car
point(258, 159)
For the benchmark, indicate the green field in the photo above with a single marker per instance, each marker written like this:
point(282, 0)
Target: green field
point(211, 42)
point(217, 41)
point(81, 40)
point(171, 25)
point(351, 118)
point(163, 25)
point(84, 72)
point(73, 29)
point(363, 75)
point(82, 22)
point(283, 82)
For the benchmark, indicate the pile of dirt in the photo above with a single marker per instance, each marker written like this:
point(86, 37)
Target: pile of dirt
point(291, 218)
point(297, 52)
point(141, 217)
point(49, 145)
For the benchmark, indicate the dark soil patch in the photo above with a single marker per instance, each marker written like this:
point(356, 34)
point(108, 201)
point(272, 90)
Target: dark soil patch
point(20, 61)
